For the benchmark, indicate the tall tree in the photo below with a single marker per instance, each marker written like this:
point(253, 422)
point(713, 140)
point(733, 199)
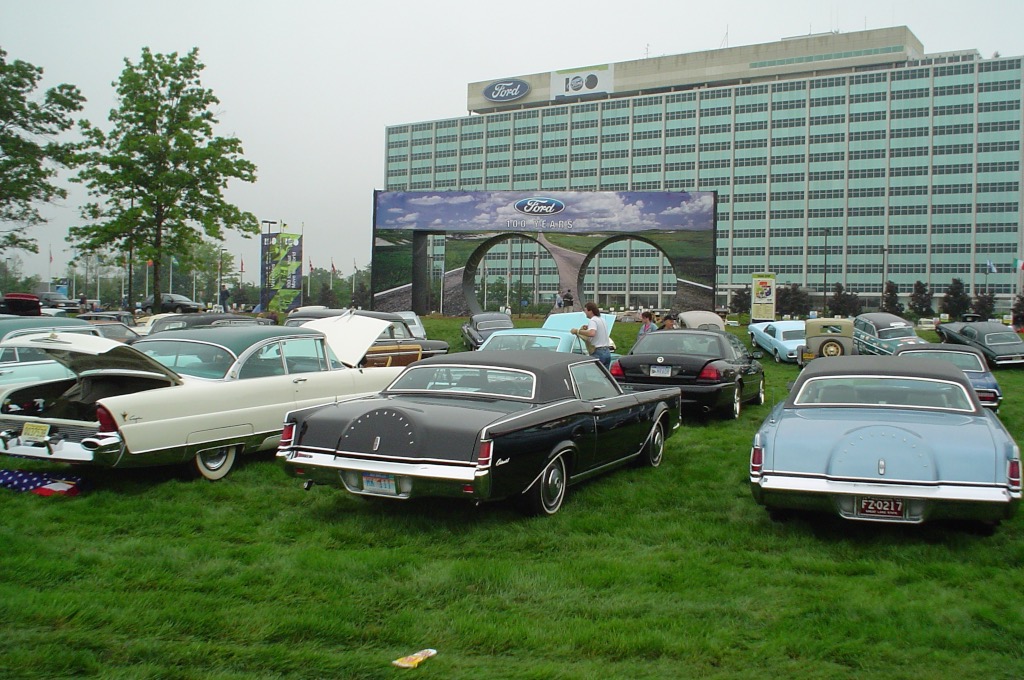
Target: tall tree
point(740, 303)
point(30, 154)
point(843, 302)
point(921, 300)
point(793, 300)
point(956, 301)
point(159, 174)
point(891, 299)
point(985, 304)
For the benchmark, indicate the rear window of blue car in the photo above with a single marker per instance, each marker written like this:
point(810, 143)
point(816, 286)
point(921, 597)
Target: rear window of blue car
point(885, 392)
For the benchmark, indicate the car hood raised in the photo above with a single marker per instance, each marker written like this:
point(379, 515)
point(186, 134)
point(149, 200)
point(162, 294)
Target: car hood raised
point(350, 336)
point(569, 320)
point(83, 353)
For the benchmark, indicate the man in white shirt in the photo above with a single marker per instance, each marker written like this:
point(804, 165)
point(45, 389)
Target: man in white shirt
point(596, 333)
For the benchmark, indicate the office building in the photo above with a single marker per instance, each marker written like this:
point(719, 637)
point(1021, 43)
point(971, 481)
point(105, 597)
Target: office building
point(850, 158)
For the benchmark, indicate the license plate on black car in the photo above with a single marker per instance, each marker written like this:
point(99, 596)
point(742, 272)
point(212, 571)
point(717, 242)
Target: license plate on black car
point(880, 507)
point(661, 371)
point(381, 484)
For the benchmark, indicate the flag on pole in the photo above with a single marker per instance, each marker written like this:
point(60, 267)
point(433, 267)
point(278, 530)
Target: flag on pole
point(241, 265)
point(991, 267)
point(333, 270)
point(1018, 264)
point(311, 265)
point(51, 254)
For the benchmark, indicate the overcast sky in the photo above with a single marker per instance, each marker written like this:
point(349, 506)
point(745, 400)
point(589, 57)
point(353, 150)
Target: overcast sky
point(309, 87)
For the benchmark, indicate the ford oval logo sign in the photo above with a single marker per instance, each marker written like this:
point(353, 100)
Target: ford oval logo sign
point(507, 90)
point(539, 206)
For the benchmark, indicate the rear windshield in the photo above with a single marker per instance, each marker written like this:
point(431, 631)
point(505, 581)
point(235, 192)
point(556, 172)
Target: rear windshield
point(678, 343)
point(962, 360)
point(883, 391)
point(197, 359)
point(483, 381)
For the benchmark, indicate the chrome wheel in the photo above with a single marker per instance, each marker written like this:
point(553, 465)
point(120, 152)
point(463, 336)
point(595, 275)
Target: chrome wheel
point(654, 449)
point(760, 392)
point(214, 464)
point(546, 494)
point(737, 401)
point(778, 359)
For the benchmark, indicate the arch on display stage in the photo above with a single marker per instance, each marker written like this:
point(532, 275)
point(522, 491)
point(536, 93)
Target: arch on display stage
point(679, 224)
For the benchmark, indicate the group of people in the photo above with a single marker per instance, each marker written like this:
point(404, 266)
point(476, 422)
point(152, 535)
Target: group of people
point(596, 331)
point(647, 325)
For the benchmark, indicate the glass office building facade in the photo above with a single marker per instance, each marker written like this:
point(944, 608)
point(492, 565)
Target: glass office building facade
point(837, 159)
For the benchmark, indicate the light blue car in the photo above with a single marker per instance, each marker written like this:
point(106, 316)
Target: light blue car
point(886, 439)
point(518, 339)
point(780, 339)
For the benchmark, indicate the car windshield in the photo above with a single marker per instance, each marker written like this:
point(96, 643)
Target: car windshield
point(678, 343)
point(197, 359)
point(484, 381)
point(965, 361)
point(793, 335)
point(1006, 338)
point(494, 325)
point(896, 332)
point(883, 392)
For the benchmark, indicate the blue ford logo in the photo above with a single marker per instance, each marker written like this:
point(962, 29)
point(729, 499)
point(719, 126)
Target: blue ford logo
point(539, 206)
point(507, 90)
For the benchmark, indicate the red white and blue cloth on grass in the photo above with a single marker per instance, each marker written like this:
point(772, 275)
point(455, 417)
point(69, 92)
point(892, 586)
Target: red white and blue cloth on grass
point(41, 483)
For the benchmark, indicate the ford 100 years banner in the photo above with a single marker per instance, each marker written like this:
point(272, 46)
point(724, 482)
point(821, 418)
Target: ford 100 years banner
point(435, 250)
point(281, 273)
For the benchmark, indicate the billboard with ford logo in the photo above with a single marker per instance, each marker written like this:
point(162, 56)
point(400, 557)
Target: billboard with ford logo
point(432, 250)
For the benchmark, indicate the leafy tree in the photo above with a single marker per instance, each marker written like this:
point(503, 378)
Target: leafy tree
point(30, 156)
point(921, 300)
point(844, 303)
point(159, 174)
point(891, 299)
point(361, 296)
point(985, 304)
point(956, 301)
point(326, 297)
point(793, 300)
point(740, 303)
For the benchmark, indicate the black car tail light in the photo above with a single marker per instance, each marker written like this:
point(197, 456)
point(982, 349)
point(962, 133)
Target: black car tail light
point(287, 434)
point(711, 373)
point(616, 370)
point(483, 459)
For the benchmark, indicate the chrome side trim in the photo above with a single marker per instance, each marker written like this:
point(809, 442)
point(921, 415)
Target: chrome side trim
point(455, 473)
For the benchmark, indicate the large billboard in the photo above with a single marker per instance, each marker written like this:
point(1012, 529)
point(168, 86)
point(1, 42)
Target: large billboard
point(579, 212)
point(459, 252)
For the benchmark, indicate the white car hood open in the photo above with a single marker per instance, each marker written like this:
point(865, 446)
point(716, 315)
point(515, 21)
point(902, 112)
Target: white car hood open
point(350, 336)
point(84, 353)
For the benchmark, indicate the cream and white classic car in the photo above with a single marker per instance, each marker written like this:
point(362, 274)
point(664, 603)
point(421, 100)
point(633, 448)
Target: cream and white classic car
point(205, 395)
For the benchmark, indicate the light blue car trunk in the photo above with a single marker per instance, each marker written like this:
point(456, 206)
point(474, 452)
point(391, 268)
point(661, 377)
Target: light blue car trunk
point(859, 443)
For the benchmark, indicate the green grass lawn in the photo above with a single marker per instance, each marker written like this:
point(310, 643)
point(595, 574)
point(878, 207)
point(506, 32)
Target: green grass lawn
point(673, 572)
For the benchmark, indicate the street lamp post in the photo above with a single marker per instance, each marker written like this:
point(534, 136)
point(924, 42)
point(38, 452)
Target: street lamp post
point(824, 279)
point(881, 295)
